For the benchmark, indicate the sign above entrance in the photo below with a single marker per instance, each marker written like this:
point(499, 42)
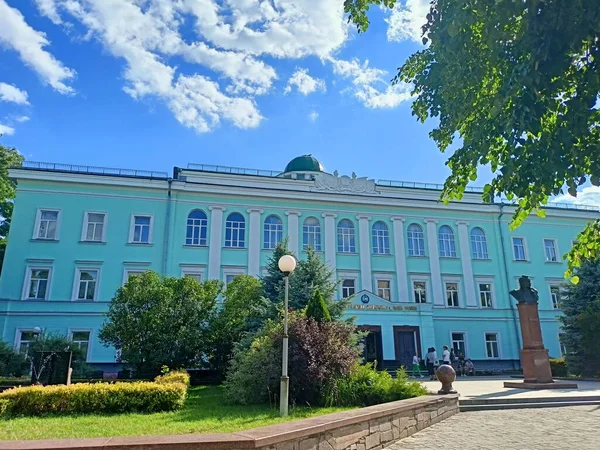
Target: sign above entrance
point(368, 301)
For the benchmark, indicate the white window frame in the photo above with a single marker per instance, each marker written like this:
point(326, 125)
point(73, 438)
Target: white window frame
point(27, 281)
point(84, 330)
point(557, 253)
point(241, 227)
point(446, 240)
point(525, 249)
point(193, 270)
point(132, 228)
point(378, 276)
point(272, 229)
point(38, 219)
point(465, 340)
point(346, 237)
point(348, 275)
point(18, 331)
point(476, 245)
point(489, 281)
point(314, 233)
point(342, 287)
point(423, 279)
point(86, 223)
point(235, 271)
point(410, 237)
point(498, 342)
point(556, 284)
point(76, 282)
point(200, 227)
point(458, 291)
point(380, 237)
point(133, 270)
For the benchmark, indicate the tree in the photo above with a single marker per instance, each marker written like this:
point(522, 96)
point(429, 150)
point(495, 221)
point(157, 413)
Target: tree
point(9, 157)
point(243, 312)
point(12, 363)
point(317, 309)
point(518, 83)
point(273, 283)
point(580, 319)
point(157, 321)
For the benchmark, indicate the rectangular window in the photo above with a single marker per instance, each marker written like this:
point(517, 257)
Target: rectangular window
point(93, 227)
point(485, 295)
point(491, 345)
point(195, 275)
point(87, 281)
point(452, 295)
point(141, 230)
point(131, 273)
point(37, 284)
point(348, 287)
point(383, 289)
point(229, 278)
point(47, 226)
point(550, 250)
point(458, 343)
point(25, 339)
point(420, 291)
point(81, 340)
point(555, 296)
point(519, 252)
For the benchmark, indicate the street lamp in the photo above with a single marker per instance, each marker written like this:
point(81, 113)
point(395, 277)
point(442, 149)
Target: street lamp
point(287, 264)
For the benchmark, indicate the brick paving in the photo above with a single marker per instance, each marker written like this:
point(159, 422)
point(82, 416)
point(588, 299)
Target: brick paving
point(573, 427)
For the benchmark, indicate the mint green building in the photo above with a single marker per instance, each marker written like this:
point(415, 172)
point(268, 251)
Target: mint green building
point(421, 274)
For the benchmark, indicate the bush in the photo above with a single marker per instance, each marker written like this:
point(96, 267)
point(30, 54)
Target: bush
point(365, 386)
point(87, 398)
point(317, 308)
point(12, 364)
point(559, 367)
point(175, 376)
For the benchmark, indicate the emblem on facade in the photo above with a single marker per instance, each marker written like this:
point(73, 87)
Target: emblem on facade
point(365, 299)
point(335, 183)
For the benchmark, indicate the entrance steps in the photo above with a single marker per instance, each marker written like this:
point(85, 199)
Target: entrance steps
point(489, 404)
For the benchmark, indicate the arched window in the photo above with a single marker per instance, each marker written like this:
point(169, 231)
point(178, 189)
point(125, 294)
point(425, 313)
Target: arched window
point(416, 240)
point(446, 242)
point(196, 230)
point(479, 248)
point(235, 231)
point(311, 234)
point(345, 233)
point(381, 239)
point(273, 231)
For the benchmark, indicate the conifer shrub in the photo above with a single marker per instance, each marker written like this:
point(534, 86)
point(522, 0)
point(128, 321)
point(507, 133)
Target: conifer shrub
point(317, 308)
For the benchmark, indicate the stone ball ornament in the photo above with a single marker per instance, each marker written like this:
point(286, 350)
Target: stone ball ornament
point(446, 375)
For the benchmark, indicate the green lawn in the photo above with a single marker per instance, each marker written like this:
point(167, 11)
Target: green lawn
point(204, 412)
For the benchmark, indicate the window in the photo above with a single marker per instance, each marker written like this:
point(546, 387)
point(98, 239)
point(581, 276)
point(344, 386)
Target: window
point(235, 231)
point(345, 233)
point(381, 239)
point(491, 345)
point(519, 252)
point(47, 225)
point(81, 340)
point(550, 250)
point(452, 295)
point(196, 229)
point(311, 234)
point(561, 343)
point(37, 283)
point(555, 296)
point(383, 289)
point(446, 242)
point(141, 230)
point(273, 231)
point(420, 291)
point(93, 227)
point(87, 282)
point(195, 272)
point(131, 273)
point(479, 248)
point(416, 240)
point(25, 339)
point(348, 287)
point(485, 295)
point(458, 343)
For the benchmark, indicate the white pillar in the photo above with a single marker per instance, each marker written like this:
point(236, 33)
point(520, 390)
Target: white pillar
point(465, 259)
point(400, 258)
point(434, 262)
point(293, 234)
point(254, 241)
point(216, 242)
point(365, 252)
point(330, 247)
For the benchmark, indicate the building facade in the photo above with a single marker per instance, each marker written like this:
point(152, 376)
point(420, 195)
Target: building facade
point(421, 274)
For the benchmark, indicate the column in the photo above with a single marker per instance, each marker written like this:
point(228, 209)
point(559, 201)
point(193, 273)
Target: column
point(216, 242)
point(465, 259)
point(366, 280)
point(400, 258)
point(254, 241)
point(293, 233)
point(330, 246)
point(434, 262)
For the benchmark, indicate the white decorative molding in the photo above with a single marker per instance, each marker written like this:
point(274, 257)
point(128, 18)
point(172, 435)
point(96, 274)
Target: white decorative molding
point(352, 184)
point(363, 217)
point(428, 220)
point(215, 242)
point(329, 214)
point(217, 208)
point(254, 242)
point(465, 259)
point(434, 262)
point(400, 259)
point(254, 210)
point(462, 222)
point(293, 213)
point(397, 219)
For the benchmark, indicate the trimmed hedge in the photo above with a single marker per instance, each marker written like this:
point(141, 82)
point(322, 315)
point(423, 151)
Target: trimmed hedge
point(175, 376)
point(559, 367)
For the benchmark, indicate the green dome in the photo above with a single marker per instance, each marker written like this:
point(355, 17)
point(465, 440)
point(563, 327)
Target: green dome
point(304, 163)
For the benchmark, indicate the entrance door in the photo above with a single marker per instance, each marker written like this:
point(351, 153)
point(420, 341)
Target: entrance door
point(373, 349)
point(407, 343)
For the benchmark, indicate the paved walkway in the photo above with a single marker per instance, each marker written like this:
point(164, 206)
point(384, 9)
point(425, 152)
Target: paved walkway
point(574, 427)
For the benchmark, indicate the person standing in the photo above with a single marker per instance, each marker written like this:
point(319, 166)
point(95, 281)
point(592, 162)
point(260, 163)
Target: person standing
point(446, 355)
point(430, 359)
point(416, 370)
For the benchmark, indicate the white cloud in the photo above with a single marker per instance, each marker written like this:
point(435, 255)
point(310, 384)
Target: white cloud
point(587, 196)
point(304, 83)
point(10, 93)
point(313, 116)
point(406, 20)
point(47, 8)
point(22, 119)
point(16, 34)
point(6, 130)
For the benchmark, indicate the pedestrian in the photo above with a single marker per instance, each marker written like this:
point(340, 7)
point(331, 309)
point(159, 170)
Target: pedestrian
point(461, 364)
point(446, 355)
point(416, 371)
point(452, 358)
point(429, 359)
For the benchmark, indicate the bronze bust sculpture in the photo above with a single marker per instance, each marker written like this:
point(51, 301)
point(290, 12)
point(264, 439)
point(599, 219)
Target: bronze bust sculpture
point(525, 293)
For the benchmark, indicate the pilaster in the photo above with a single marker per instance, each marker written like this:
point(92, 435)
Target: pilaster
point(254, 241)
point(434, 262)
point(293, 232)
point(330, 247)
point(400, 259)
point(465, 259)
point(216, 241)
point(366, 279)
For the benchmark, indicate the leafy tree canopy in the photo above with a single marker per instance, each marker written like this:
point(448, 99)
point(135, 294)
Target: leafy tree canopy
point(9, 157)
point(516, 83)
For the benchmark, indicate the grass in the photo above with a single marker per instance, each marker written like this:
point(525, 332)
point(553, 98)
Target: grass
point(204, 412)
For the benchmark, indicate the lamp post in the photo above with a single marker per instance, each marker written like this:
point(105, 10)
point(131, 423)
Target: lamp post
point(287, 264)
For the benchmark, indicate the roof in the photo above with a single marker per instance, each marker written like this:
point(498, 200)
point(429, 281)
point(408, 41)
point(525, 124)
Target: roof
point(304, 163)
